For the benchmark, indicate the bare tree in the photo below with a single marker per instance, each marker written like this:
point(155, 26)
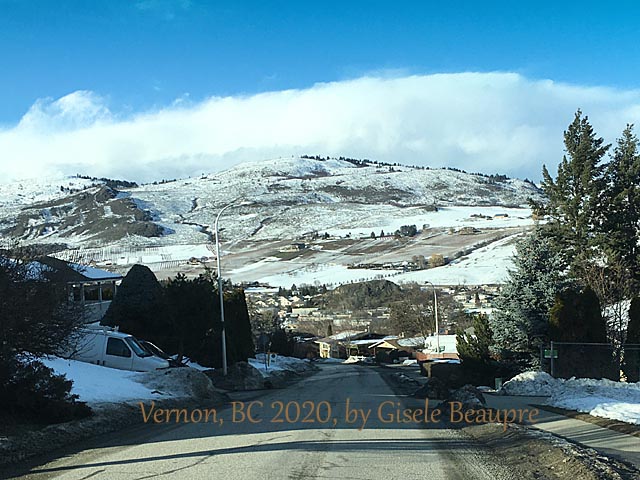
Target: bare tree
point(613, 284)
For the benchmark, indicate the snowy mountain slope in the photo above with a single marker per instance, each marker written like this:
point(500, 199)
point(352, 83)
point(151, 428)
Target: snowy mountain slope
point(332, 206)
point(92, 214)
point(292, 196)
point(298, 195)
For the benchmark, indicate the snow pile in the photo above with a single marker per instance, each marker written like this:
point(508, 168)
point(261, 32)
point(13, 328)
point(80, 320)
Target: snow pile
point(531, 384)
point(179, 382)
point(280, 363)
point(601, 398)
point(96, 384)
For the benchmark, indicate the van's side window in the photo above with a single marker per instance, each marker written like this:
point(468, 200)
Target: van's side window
point(117, 347)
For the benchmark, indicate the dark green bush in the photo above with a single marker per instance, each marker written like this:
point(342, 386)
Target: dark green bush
point(32, 392)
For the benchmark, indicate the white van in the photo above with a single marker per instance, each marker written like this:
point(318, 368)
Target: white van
point(114, 349)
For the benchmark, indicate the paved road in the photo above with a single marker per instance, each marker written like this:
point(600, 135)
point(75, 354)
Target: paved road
point(292, 449)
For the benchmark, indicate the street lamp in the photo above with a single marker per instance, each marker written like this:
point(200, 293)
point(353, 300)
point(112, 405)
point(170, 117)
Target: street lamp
point(435, 311)
point(235, 203)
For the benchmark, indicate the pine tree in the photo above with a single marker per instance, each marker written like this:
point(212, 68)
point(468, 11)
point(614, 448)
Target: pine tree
point(573, 196)
point(620, 203)
point(521, 318)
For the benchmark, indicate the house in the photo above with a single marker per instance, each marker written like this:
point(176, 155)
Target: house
point(448, 348)
point(88, 286)
point(344, 344)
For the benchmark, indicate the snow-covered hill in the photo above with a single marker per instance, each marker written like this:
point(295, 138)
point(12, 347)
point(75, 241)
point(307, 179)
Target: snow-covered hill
point(291, 197)
point(280, 202)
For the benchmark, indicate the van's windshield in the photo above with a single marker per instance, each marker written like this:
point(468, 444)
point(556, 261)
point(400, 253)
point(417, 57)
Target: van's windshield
point(137, 348)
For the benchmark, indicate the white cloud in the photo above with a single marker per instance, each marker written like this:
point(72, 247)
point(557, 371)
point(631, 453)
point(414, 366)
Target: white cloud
point(490, 122)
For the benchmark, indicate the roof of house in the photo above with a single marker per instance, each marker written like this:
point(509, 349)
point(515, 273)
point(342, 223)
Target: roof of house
point(351, 336)
point(60, 271)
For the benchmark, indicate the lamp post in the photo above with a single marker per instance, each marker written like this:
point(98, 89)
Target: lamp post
point(435, 311)
point(224, 338)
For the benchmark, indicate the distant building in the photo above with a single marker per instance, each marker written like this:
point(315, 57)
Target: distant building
point(294, 247)
point(91, 287)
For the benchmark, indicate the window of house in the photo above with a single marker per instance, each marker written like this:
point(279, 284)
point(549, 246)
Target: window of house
point(77, 294)
point(91, 293)
point(107, 292)
point(117, 347)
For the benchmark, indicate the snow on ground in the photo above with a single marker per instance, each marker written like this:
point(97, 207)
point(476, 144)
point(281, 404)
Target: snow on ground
point(322, 274)
point(446, 217)
point(96, 384)
point(280, 363)
point(21, 192)
point(530, 384)
point(601, 398)
point(486, 265)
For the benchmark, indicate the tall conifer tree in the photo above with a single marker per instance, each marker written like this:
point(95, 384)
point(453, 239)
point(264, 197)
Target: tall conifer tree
point(619, 210)
point(573, 196)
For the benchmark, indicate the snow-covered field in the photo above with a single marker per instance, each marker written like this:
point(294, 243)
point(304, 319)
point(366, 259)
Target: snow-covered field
point(601, 398)
point(486, 265)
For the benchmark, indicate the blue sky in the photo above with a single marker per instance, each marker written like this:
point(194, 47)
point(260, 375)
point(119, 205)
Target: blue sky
point(135, 58)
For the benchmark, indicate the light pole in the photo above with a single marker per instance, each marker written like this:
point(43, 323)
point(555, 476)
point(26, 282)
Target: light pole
point(435, 312)
point(224, 337)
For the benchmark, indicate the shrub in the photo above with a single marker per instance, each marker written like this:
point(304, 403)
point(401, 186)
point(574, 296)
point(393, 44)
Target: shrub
point(31, 391)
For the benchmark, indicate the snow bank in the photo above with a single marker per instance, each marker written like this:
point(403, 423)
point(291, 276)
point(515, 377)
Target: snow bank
point(96, 384)
point(280, 364)
point(179, 382)
point(530, 384)
point(601, 398)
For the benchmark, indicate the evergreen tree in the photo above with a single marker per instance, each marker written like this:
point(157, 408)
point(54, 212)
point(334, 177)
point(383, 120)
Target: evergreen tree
point(282, 342)
point(192, 306)
point(521, 317)
point(575, 317)
point(573, 196)
point(240, 344)
point(475, 348)
point(139, 308)
point(620, 203)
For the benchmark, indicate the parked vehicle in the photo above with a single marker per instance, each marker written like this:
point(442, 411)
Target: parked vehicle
point(114, 349)
point(158, 352)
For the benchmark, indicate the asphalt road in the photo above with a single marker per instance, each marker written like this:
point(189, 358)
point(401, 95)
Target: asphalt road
point(285, 438)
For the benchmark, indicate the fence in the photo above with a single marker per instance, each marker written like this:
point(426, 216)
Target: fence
point(591, 360)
